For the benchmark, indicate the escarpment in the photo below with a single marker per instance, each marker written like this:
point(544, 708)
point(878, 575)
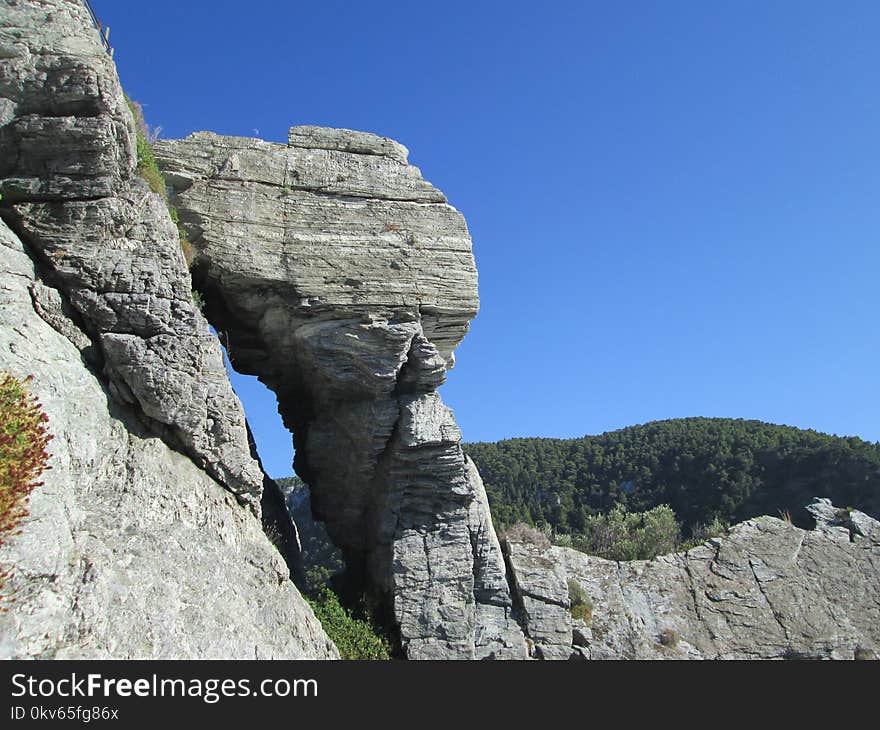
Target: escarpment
point(341, 278)
point(145, 540)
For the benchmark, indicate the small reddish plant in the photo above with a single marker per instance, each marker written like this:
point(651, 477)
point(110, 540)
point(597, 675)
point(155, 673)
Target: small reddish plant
point(24, 436)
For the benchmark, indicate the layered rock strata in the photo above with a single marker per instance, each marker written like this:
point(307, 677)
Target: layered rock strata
point(137, 545)
point(765, 590)
point(344, 280)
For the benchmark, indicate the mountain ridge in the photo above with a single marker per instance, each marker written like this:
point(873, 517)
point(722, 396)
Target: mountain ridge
point(750, 466)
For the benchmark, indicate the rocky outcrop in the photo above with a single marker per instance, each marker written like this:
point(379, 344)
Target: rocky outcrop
point(67, 160)
point(130, 549)
point(332, 269)
point(765, 590)
point(145, 540)
point(344, 280)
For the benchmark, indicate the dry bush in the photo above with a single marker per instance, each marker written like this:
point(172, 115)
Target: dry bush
point(190, 253)
point(24, 437)
point(520, 532)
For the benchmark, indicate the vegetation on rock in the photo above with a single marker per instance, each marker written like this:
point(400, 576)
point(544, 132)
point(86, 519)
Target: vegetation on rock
point(146, 161)
point(148, 169)
point(355, 628)
point(581, 604)
point(622, 535)
point(521, 532)
point(24, 437)
point(668, 638)
point(321, 559)
point(353, 632)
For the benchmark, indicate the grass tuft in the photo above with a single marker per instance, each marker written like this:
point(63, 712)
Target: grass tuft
point(581, 603)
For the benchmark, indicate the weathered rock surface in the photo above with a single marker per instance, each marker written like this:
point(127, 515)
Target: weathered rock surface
point(67, 159)
point(130, 550)
point(135, 545)
point(765, 590)
point(344, 280)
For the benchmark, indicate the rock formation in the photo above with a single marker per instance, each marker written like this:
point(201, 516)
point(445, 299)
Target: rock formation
point(332, 270)
point(67, 158)
point(765, 590)
point(344, 280)
point(145, 540)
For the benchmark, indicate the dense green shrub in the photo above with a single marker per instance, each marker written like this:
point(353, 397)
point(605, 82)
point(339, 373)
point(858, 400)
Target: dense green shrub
point(622, 535)
point(355, 637)
point(24, 437)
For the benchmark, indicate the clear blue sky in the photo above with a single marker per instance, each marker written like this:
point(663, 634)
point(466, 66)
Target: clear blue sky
point(675, 206)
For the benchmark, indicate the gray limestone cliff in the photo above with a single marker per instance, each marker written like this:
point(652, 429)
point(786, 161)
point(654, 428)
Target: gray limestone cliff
point(344, 281)
point(145, 540)
point(765, 590)
point(333, 270)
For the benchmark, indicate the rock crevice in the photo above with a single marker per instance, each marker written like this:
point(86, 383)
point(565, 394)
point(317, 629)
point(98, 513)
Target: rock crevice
point(130, 550)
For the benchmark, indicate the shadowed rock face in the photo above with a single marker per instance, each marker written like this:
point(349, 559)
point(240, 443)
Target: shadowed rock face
point(344, 280)
point(765, 590)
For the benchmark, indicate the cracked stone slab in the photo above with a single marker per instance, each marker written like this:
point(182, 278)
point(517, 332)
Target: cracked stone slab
point(765, 590)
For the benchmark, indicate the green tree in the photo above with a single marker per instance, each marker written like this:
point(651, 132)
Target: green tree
point(706, 469)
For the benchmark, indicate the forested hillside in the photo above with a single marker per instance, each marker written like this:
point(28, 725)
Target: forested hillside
point(705, 468)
